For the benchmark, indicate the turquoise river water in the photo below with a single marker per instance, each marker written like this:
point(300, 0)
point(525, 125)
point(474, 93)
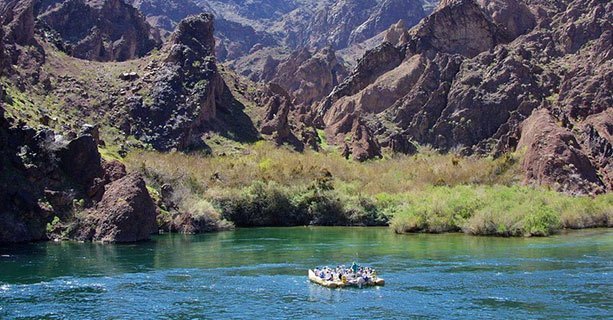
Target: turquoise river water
point(261, 273)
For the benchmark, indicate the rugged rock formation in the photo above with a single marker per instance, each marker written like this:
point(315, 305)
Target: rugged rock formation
point(234, 39)
point(276, 120)
point(250, 32)
point(457, 27)
point(512, 17)
point(45, 178)
point(596, 136)
point(108, 30)
point(18, 19)
point(186, 94)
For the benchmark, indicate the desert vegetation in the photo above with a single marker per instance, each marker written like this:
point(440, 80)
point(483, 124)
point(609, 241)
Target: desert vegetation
point(263, 185)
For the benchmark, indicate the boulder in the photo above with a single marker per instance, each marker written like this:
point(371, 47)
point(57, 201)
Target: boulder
point(126, 212)
point(113, 170)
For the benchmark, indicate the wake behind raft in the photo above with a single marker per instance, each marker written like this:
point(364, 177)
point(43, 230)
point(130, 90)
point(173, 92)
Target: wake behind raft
point(340, 277)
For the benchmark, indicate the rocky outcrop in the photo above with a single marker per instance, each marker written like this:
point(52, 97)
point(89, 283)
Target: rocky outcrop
point(555, 158)
point(512, 17)
point(457, 27)
point(187, 88)
point(396, 34)
point(108, 30)
point(596, 137)
point(81, 160)
point(18, 19)
point(276, 120)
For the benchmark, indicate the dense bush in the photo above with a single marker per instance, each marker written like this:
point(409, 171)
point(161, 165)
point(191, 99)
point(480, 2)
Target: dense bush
point(270, 204)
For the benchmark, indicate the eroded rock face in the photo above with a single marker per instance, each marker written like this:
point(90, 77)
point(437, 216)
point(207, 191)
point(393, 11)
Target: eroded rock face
point(555, 158)
point(596, 137)
point(456, 27)
point(18, 18)
point(276, 121)
point(108, 30)
point(126, 212)
point(513, 17)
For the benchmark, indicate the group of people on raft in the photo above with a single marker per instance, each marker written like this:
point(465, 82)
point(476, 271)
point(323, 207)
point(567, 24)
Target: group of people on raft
point(353, 275)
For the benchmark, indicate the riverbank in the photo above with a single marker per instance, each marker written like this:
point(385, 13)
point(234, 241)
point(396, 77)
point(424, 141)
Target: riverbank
point(263, 185)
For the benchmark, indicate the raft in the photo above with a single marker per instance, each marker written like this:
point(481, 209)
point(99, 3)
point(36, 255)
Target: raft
point(339, 284)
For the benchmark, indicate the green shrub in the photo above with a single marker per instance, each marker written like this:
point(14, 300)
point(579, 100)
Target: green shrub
point(541, 221)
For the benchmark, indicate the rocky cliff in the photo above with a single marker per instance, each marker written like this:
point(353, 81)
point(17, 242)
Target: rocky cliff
point(307, 76)
point(250, 32)
point(51, 185)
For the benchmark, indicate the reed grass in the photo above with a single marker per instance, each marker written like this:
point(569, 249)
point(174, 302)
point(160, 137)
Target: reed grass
point(427, 192)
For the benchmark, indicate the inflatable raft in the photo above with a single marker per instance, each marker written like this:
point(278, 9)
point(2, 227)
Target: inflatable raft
point(339, 284)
